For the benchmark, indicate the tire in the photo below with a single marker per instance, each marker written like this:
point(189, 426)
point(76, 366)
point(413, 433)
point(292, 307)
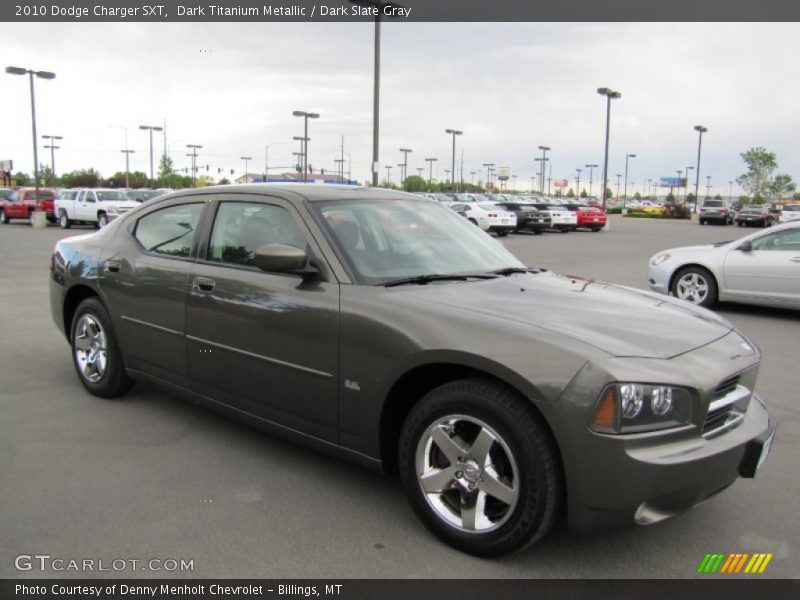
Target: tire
point(64, 221)
point(519, 461)
point(4, 217)
point(474, 222)
point(502, 233)
point(95, 351)
point(702, 222)
point(564, 230)
point(696, 285)
point(596, 229)
point(538, 231)
point(102, 220)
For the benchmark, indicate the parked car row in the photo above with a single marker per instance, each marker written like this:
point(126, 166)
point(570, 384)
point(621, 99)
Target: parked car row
point(757, 215)
point(93, 206)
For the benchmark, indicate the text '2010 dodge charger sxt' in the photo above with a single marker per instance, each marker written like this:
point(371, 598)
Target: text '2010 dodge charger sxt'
point(385, 328)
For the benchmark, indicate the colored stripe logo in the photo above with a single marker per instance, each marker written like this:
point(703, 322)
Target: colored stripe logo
point(734, 563)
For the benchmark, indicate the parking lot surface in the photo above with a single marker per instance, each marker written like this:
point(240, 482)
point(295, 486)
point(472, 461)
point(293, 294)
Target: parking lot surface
point(149, 476)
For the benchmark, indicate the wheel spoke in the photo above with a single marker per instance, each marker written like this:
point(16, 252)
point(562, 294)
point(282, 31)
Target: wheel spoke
point(496, 488)
point(100, 362)
point(473, 506)
point(83, 343)
point(438, 480)
point(479, 450)
point(449, 446)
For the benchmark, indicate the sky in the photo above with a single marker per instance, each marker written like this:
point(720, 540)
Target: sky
point(510, 87)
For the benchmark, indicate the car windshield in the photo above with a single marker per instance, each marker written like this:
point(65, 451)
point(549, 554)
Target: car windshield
point(713, 203)
point(755, 210)
point(385, 240)
point(111, 196)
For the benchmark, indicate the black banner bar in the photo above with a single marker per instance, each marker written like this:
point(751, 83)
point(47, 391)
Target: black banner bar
point(400, 10)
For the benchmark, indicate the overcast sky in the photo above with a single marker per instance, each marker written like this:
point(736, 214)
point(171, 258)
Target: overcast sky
point(510, 87)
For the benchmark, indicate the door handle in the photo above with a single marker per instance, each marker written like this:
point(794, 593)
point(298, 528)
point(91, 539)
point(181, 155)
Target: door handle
point(204, 284)
point(112, 266)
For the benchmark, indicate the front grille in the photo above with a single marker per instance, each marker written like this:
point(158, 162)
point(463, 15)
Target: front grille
point(726, 409)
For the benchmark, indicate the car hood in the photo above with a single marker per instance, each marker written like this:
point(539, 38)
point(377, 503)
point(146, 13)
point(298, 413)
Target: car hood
point(618, 320)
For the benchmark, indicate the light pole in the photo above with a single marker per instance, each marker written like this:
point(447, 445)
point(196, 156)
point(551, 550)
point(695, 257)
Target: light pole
point(420, 170)
point(388, 175)
point(404, 174)
point(127, 153)
point(610, 95)
point(151, 128)
point(301, 154)
point(340, 173)
point(591, 179)
point(53, 148)
point(544, 150)
point(430, 162)
point(730, 192)
point(708, 186)
point(701, 130)
point(686, 187)
point(245, 159)
point(578, 183)
point(625, 193)
point(488, 167)
point(266, 158)
point(40, 75)
point(649, 187)
point(194, 148)
point(454, 133)
point(447, 175)
point(306, 116)
point(299, 165)
point(618, 176)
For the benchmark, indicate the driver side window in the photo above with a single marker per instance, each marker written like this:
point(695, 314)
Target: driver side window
point(787, 240)
point(169, 231)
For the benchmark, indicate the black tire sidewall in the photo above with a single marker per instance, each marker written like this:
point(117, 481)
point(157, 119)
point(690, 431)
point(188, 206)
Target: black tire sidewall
point(115, 382)
point(526, 524)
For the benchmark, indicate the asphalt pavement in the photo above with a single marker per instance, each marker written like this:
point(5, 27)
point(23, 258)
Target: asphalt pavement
point(150, 476)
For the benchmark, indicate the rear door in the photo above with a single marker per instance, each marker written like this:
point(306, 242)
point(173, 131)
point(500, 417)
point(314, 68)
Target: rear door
point(266, 343)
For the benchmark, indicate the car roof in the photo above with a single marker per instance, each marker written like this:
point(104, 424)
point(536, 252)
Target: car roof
point(309, 192)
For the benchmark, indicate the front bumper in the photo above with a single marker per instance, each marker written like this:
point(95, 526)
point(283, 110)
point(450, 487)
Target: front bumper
point(618, 480)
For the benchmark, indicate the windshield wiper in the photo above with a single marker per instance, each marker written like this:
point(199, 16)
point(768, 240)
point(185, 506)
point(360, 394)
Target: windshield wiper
point(511, 270)
point(423, 279)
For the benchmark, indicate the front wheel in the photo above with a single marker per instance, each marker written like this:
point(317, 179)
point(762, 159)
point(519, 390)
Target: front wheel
point(502, 233)
point(102, 220)
point(479, 468)
point(695, 285)
point(95, 351)
point(3, 217)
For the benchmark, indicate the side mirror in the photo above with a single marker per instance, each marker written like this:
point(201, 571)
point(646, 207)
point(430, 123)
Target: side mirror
point(746, 247)
point(281, 258)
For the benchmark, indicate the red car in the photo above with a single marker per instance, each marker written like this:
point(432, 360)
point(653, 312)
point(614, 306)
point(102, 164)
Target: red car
point(22, 202)
point(589, 217)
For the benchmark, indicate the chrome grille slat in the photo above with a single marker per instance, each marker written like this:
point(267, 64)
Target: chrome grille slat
point(723, 410)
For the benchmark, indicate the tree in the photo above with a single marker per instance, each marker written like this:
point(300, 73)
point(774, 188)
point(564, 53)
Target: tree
point(415, 183)
point(584, 194)
point(203, 181)
point(23, 178)
point(637, 196)
point(81, 178)
point(46, 176)
point(760, 165)
point(136, 179)
point(781, 186)
point(690, 198)
point(571, 193)
point(165, 168)
point(224, 181)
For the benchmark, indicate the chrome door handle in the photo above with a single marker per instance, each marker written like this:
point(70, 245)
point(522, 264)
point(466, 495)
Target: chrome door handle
point(204, 284)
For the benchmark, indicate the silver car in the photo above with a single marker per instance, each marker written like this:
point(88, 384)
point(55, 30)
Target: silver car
point(761, 268)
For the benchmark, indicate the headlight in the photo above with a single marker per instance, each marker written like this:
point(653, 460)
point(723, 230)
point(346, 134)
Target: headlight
point(113, 210)
point(639, 407)
point(658, 259)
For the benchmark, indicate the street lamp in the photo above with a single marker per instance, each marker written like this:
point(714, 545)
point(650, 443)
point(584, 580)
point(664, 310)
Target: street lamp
point(40, 75)
point(151, 128)
point(245, 159)
point(306, 116)
point(544, 150)
point(405, 152)
point(53, 148)
point(686, 187)
point(193, 155)
point(701, 130)
point(430, 162)
point(388, 175)
point(488, 168)
point(266, 158)
point(578, 183)
point(591, 173)
point(454, 133)
point(610, 95)
point(625, 193)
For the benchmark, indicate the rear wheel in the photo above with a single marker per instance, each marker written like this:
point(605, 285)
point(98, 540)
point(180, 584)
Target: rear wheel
point(102, 219)
point(479, 468)
point(64, 221)
point(95, 351)
point(695, 285)
point(502, 233)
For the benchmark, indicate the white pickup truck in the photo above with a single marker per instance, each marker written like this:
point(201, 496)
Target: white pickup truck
point(91, 205)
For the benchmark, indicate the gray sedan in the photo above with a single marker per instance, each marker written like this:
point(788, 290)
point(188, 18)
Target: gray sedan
point(761, 268)
point(387, 330)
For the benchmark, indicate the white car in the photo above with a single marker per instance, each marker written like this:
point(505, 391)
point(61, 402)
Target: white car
point(789, 212)
point(488, 216)
point(760, 268)
point(98, 206)
point(561, 218)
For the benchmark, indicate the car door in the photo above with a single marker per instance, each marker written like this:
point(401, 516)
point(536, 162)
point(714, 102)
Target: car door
point(144, 274)
point(768, 271)
point(266, 343)
point(86, 206)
